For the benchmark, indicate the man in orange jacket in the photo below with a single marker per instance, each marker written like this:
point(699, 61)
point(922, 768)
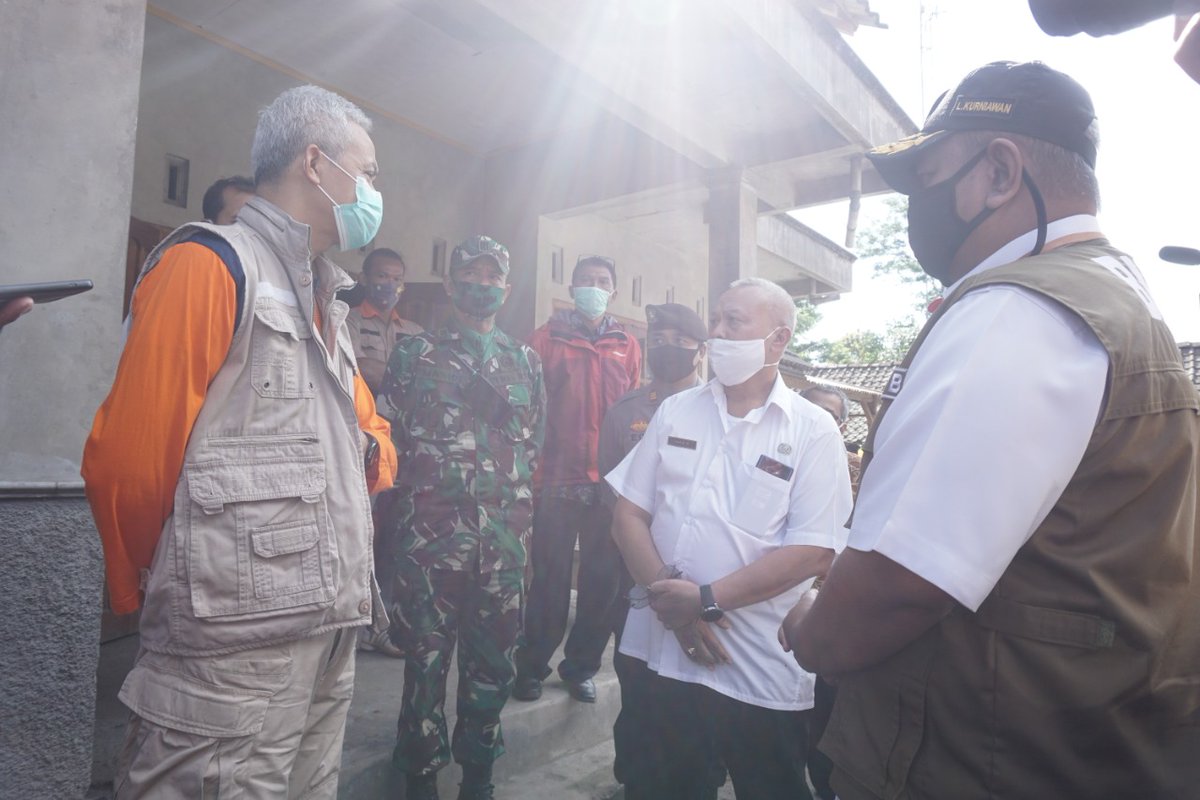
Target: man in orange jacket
point(228, 471)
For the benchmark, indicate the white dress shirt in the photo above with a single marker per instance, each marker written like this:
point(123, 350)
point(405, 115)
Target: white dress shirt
point(994, 416)
point(720, 496)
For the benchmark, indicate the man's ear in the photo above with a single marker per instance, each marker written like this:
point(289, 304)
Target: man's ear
point(1005, 166)
point(448, 284)
point(507, 292)
point(308, 163)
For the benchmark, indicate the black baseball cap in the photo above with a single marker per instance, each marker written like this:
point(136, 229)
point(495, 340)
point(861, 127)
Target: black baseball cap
point(1028, 98)
point(679, 317)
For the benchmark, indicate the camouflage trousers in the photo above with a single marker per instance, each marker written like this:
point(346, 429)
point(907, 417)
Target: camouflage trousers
point(431, 608)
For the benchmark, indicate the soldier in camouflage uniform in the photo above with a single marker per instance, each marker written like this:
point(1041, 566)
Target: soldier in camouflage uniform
point(469, 408)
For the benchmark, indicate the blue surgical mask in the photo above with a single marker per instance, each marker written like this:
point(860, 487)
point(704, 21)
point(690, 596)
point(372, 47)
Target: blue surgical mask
point(591, 301)
point(357, 222)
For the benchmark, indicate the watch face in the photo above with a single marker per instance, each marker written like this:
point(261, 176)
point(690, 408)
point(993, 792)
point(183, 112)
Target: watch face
point(711, 614)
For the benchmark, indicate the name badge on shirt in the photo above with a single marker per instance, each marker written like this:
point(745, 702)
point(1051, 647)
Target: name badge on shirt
point(775, 468)
point(676, 441)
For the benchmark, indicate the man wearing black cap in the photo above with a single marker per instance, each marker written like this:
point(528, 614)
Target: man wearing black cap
point(1013, 616)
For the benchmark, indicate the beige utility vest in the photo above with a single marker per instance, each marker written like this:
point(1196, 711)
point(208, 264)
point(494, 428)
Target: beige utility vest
point(1079, 676)
point(270, 539)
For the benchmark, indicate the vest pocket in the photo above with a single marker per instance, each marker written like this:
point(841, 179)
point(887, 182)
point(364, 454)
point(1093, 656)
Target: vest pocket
point(878, 721)
point(258, 541)
point(279, 352)
point(286, 559)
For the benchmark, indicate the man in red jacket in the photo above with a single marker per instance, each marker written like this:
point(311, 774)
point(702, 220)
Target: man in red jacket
point(589, 362)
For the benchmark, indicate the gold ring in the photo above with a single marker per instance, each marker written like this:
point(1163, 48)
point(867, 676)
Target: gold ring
point(691, 651)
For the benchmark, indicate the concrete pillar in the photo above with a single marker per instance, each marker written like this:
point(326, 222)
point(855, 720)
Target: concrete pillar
point(732, 217)
point(70, 100)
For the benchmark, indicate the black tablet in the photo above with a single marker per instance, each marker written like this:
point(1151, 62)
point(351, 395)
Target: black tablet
point(43, 292)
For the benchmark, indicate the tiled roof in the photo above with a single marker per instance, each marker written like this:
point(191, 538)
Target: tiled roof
point(874, 377)
point(864, 376)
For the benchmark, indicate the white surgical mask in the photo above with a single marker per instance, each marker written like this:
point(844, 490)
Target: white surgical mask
point(735, 361)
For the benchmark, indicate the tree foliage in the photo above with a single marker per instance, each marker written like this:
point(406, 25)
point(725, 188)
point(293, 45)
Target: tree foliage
point(883, 245)
point(865, 346)
point(886, 244)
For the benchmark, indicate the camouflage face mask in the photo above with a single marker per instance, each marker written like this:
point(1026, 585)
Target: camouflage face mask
point(477, 299)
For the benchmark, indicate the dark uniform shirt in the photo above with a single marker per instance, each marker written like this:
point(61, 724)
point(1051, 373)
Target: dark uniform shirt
point(623, 427)
point(469, 416)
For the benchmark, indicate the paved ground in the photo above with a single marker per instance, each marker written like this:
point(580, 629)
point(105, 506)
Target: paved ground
point(558, 749)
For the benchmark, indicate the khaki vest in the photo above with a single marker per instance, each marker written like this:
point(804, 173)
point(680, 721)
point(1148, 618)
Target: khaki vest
point(1079, 676)
point(270, 539)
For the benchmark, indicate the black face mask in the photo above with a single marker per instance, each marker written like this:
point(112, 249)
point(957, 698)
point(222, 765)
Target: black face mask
point(671, 363)
point(936, 232)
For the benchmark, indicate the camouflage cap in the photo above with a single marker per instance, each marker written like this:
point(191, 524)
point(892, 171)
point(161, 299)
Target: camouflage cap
point(679, 317)
point(474, 247)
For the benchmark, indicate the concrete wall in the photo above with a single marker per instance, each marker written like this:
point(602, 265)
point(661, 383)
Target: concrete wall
point(52, 576)
point(70, 109)
point(200, 101)
point(67, 127)
point(661, 269)
point(608, 160)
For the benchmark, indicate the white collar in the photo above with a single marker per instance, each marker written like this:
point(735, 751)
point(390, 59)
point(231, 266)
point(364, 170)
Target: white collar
point(778, 397)
point(1021, 246)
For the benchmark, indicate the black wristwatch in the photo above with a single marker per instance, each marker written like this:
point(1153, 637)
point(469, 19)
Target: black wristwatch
point(709, 610)
point(371, 454)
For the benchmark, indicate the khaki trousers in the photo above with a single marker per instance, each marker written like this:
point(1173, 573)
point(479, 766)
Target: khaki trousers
point(263, 723)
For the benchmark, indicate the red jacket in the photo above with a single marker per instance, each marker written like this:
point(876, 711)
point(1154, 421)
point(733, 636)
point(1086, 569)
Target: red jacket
point(583, 379)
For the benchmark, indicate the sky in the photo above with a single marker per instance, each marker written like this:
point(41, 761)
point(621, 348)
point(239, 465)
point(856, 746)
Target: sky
point(1148, 111)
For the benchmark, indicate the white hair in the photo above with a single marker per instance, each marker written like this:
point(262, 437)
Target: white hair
point(297, 118)
point(779, 303)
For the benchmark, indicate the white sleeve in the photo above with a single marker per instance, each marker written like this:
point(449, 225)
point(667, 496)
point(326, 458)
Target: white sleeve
point(820, 496)
point(992, 421)
point(636, 477)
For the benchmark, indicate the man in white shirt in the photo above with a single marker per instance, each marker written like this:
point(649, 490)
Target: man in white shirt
point(729, 506)
point(1014, 615)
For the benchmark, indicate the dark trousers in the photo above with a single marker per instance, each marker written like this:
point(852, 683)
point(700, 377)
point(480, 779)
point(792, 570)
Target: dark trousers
point(667, 730)
point(557, 523)
point(820, 768)
point(386, 544)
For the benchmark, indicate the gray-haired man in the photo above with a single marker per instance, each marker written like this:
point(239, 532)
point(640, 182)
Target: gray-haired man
point(239, 429)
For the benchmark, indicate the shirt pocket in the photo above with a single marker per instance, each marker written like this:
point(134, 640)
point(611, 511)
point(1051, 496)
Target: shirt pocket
point(761, 502)
point(519, 428)
point(279, 352)
point(259, 541)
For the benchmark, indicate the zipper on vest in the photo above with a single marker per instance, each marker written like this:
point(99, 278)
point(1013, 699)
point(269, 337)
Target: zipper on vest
point(299, 438)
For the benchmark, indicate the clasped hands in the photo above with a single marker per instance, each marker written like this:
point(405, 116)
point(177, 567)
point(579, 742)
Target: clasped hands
point(677, 603)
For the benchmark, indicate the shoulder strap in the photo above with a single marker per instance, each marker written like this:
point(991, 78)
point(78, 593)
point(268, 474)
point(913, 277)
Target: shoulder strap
point(229, 257)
